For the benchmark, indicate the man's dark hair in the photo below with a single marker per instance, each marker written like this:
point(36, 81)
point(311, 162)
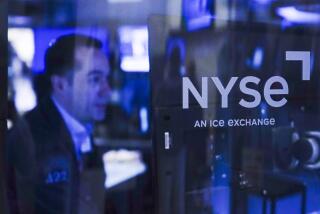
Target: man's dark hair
point(60, 59)
point(60, 56)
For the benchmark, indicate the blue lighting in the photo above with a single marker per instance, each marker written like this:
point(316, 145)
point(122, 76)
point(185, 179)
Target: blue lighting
point(257, 58)
point(144, 119)
point(286, 205)
point(198, 13)
point(196, 23)
point(263, 1)
point(19, 20)
point(179, 44)
point(173, 43)
point(43, 37)
point(292, 14)
point(221, 199)
point(255, 61)
point(263, 109)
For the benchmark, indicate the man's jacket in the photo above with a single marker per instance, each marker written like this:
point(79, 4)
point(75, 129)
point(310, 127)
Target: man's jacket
point(45, 174)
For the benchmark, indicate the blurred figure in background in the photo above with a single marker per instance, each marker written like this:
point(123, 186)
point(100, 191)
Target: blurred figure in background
point(60, 167)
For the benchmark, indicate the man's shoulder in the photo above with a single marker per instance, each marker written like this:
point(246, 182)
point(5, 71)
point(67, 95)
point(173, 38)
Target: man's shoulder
point(43, 122)
point(42, 114)
point(43, 126)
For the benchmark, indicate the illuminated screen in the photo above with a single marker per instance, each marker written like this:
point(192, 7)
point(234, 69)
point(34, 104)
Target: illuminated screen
point(22, 41)
point(134, 49)
point(198, 13)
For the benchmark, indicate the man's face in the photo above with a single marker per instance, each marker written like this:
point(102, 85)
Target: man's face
point(89, 91)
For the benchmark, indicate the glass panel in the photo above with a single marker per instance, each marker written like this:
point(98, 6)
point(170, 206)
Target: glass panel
point(79, 132)
point(236, 115)
point(162, 106)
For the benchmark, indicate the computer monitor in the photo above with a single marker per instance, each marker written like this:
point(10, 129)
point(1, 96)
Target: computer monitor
point(134, 55)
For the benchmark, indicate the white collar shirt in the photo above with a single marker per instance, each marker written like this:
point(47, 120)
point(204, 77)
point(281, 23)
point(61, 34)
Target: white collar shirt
point(79, 133)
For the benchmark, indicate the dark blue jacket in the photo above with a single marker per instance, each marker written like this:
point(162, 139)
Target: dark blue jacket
point(48, 178)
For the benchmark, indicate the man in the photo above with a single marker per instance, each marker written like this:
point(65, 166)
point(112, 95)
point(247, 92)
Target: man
point(64, 163)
